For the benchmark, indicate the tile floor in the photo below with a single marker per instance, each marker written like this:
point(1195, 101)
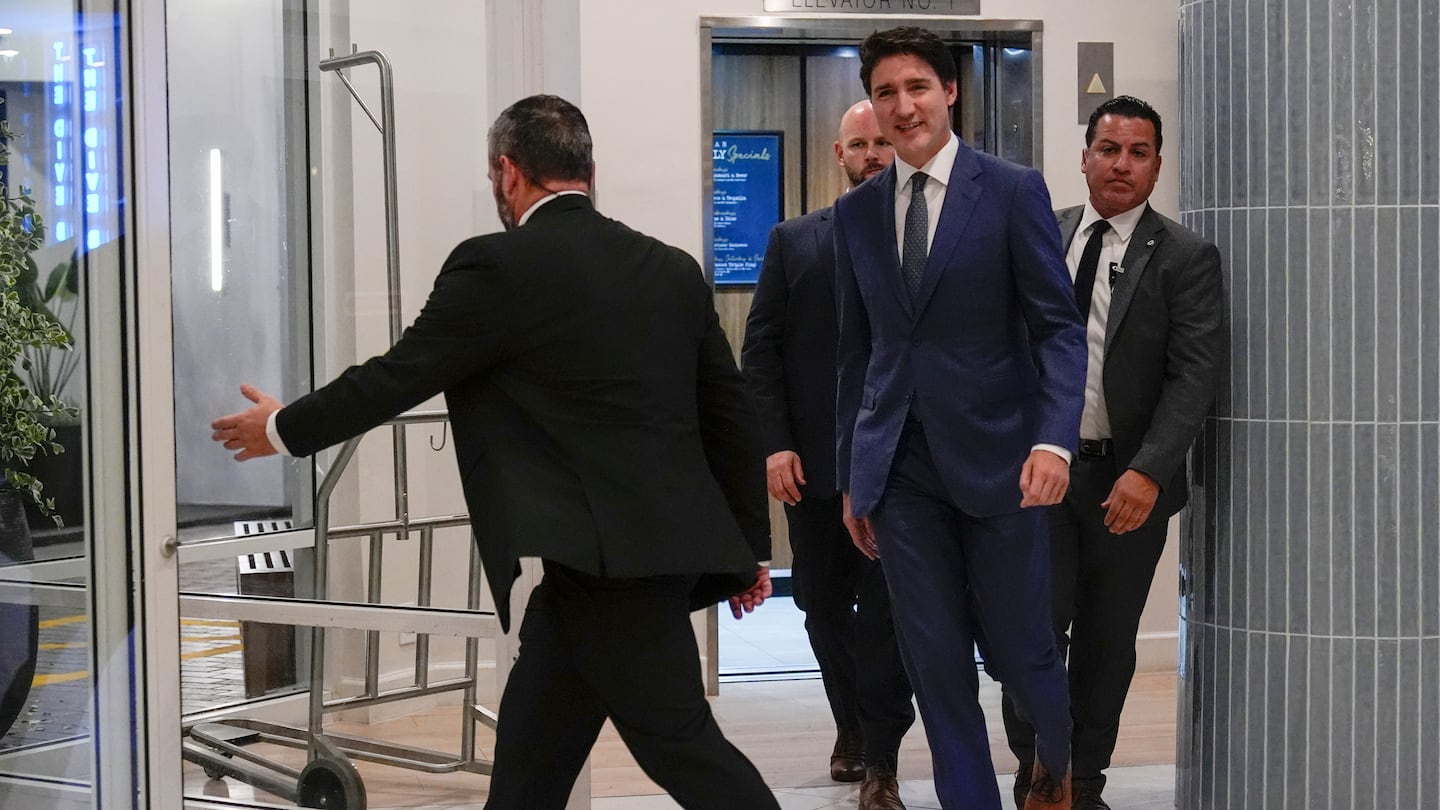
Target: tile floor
point(783, 725)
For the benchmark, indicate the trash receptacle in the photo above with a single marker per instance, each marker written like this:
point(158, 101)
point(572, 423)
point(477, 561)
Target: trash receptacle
point(269, 649)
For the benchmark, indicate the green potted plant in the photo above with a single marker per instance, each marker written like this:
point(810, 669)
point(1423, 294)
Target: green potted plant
point(27, 416)
point(47, 370)
point(24, 432)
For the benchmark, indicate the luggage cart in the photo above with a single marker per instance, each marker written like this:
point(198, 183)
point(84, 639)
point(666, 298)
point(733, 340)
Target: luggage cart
point(330, 779)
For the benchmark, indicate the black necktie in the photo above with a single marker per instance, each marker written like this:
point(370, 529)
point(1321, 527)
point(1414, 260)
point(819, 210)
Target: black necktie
point(917, 232)
point(1085, 274)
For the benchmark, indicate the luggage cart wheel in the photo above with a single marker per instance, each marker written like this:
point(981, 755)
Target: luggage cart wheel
point(331, 784)
point(215, 773)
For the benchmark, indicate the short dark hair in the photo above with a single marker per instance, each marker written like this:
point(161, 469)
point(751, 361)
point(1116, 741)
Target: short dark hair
point(910, 40)
point(547, 139)
point(1124, 107)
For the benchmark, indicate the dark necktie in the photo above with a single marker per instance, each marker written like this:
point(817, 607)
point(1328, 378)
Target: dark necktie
point(917, 229)
point(1085, 273)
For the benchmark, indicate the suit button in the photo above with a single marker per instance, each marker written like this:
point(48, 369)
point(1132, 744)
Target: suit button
point(914, 341)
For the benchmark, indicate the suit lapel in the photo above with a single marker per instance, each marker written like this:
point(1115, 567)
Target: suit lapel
point(877, 240)
point(962, 193)
point(825, 246)
point(1069, 222)
point(1147, 237)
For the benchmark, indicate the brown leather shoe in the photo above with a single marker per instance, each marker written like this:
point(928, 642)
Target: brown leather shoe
point(880, 791)
point(847, 761)
point(1022, 783)
point(1047, 792)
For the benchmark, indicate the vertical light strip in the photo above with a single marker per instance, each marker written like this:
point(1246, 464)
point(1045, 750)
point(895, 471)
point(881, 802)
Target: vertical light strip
point(217, 223)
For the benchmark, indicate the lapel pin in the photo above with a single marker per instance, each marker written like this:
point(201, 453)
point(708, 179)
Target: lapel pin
point(1151, 243)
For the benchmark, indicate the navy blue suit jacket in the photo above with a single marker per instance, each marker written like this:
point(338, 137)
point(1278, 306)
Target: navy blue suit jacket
point(991, 357)
point(789, 350)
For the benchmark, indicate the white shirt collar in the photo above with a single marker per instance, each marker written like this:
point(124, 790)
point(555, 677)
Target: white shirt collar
point(525, 217)
point(1123, 223)
point(938, 167)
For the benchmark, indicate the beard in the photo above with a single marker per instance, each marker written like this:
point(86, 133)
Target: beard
point(856, 178)
point(507, 214)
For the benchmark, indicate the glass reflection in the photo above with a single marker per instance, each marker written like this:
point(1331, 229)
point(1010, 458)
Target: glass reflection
point(59, 98)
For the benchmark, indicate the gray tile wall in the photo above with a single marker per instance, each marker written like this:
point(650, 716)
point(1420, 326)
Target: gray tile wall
point(1310, 654)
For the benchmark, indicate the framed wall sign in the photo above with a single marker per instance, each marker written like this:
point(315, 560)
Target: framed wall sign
point(749, 190)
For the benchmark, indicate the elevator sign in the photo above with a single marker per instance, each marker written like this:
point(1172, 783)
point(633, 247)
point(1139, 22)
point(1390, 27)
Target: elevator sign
point(945, 7)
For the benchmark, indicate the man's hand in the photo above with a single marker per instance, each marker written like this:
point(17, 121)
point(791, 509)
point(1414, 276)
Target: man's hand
point(748, 600)
point(245, 431)
point(1130, 501)
point(861, 532)
point(1043, 479)
point(784, 476)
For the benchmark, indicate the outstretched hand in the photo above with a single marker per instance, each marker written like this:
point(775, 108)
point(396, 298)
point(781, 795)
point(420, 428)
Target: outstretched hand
point(746, 601)
point(245, 431)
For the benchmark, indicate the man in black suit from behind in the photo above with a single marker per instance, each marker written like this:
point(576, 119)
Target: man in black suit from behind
point(789, 362)
point(1154, 300)
point(601, 425)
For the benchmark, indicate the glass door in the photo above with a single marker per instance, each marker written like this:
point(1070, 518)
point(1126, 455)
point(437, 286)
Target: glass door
point(73, 640)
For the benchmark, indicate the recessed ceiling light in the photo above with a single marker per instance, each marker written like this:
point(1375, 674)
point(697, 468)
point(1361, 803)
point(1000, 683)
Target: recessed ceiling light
point(6, 54)
point(5, 32)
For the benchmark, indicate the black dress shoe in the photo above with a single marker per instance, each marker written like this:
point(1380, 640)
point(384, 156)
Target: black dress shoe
point(1022, 783)
point(880, 790)
point(1088, 799)
point(847, 761)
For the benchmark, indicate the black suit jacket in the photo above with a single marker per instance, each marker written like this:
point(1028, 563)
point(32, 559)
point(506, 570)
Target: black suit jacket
point(1165, 348)
point(599, 419)
point(789, 349)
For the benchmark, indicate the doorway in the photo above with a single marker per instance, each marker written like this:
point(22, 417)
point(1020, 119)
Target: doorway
point(785, 82)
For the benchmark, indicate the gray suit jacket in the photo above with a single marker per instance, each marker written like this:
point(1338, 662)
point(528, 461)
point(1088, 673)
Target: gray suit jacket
point(1166, 346)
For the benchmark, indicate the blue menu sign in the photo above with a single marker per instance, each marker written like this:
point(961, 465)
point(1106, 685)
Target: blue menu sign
point(748, 201)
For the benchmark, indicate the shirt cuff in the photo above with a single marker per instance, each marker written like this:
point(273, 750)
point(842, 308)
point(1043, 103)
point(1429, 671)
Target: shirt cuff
point(273, 434)
point(1057, 450)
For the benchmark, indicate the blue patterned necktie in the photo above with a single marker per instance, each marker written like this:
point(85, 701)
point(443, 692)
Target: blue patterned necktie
point(917, 230)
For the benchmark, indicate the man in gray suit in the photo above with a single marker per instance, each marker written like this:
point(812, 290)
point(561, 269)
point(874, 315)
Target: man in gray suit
point(1153, 298)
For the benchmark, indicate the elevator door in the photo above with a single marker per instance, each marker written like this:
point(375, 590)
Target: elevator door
point(797, 80)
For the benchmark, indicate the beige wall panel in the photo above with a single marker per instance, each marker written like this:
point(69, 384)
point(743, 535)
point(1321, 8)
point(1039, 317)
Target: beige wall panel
point(762, 92)
point(833, 84)
point(735, 104)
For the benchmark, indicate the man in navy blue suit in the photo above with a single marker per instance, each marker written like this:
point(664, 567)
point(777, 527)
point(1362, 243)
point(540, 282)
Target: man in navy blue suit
point(789, 364)
point(961, 382)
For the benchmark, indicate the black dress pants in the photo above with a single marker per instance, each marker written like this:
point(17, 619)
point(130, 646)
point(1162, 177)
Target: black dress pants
point(1100, 582)
point(594, 647)
point(847, 617)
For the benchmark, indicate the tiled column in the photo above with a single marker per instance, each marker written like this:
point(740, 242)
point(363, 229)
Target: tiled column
point(1310, 661)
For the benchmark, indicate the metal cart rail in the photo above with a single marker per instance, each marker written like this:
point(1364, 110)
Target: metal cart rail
point(330, 780)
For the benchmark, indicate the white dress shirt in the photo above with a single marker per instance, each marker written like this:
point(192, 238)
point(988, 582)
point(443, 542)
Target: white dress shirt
point(1095, 419)
point(938, 167)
